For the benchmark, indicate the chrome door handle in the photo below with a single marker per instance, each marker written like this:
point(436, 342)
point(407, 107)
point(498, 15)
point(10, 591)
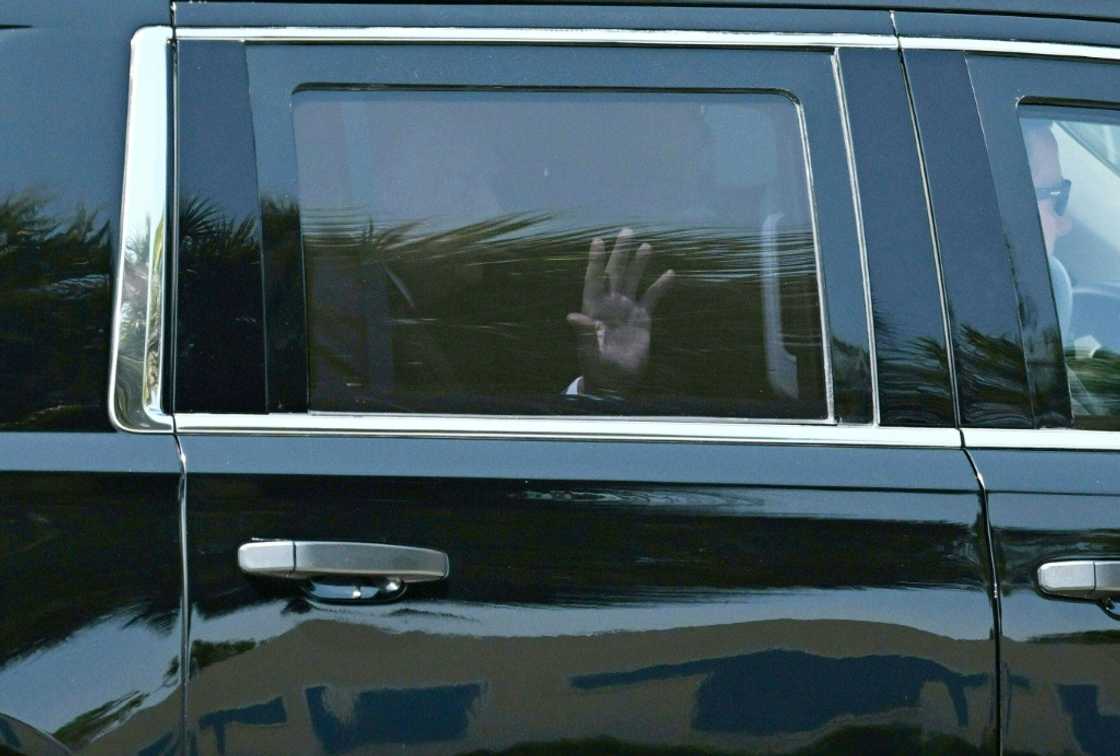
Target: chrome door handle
point(1082, 578)
point(305, 560)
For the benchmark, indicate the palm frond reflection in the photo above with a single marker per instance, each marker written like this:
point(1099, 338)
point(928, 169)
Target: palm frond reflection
point(54, 315)
point(473, 317)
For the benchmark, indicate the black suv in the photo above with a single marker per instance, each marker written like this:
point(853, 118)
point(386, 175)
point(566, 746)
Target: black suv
point(549, 379)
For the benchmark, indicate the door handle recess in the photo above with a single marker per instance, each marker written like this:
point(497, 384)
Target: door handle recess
point(306, 560)
point(1084, 578)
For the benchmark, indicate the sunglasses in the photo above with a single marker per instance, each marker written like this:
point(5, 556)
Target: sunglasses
point(1059, 193)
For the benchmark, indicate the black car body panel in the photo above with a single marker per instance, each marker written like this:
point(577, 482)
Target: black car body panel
point(60, 194)
point(770, 599)
point(1057, 653)
point(90, 557)
point(92, 629)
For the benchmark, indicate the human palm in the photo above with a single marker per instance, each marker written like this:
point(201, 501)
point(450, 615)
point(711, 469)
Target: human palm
point(613, 328)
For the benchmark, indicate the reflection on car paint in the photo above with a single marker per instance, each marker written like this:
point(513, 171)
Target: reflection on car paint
point(390, 715)
point(93, 551)
point(7, 735)
point(55, 264)
point(739, 692)
point(1096, 732)
point(90, 725)
point(18, 737)
point(165, 745)
point(254, 715)
point(694, 584)
point(205, 653)
point(342, 720)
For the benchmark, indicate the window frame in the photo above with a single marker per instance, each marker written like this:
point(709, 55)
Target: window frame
point(278, 74)
point(831, 431)
point(1031, 282)
point(136, 365)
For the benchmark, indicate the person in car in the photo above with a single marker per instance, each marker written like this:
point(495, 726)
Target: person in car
point(1051, 190)
point(613, 326)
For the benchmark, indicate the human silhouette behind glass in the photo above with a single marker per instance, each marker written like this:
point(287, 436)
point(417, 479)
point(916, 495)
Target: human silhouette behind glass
point(1052, 193)
point(1052, 190)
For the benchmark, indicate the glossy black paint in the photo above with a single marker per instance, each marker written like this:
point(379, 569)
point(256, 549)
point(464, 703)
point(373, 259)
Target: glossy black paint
point(90, 521)
point(605, 597)
point(986, 337)
point(220, 346)
point(913, 365)
point(1058, 655)
point(90, 634)
point(90, 574)
point(999, 88)
point(1023, 28)
point(60, 182)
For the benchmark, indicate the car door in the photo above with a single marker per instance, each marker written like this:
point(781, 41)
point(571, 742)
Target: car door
point(1043, 199)
point(90, 557)
point(745, 546)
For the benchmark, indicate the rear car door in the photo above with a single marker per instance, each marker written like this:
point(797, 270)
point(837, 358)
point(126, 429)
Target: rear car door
point(1039, 377)
point(90, 556)
point(741, 545)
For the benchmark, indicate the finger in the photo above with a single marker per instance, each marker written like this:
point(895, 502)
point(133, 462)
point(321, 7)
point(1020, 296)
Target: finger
point(579, 321)
point(620, 256)
point(587, 343)
point(634, 272)
point(657, 290)
point(593, 278)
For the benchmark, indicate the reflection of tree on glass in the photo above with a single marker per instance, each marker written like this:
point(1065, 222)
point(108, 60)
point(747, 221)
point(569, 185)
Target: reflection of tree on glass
point(52, 366)
point(446, 236)
point(473, 319)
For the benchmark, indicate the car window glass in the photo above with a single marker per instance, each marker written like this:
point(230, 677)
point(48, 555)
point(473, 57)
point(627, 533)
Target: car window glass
point(1073, 156)
point(558, 251)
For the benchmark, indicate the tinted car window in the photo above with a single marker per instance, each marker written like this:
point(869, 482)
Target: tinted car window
point(1074, 156)
point(564, 251)
point(420, 220)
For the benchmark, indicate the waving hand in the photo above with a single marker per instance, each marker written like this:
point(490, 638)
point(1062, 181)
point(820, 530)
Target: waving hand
point(613, 328)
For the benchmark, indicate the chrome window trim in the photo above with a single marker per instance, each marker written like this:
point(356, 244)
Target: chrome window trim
point(861, 235)
point(135, 390)
point(1013, 47)
point(497, 35)
point(1042, 439)
point(818, 269)
point(136, 347)
point(552, 427)
point(566, 428)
